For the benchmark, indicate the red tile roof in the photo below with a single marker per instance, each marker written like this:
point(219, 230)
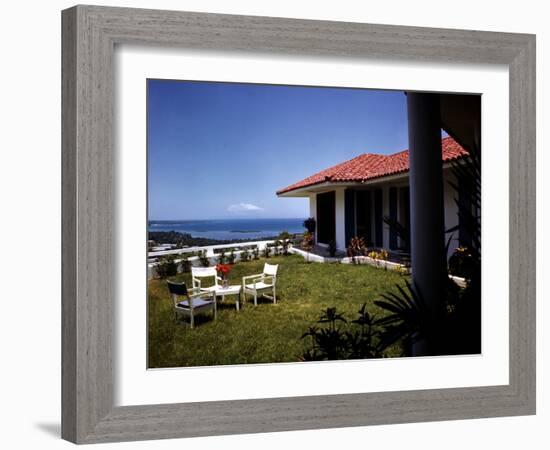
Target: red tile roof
point(369, 166)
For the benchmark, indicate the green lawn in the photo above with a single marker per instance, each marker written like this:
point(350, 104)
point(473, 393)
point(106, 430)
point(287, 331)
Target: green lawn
point(268, 332)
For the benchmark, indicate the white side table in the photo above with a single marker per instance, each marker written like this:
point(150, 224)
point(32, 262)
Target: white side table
point(233, 289)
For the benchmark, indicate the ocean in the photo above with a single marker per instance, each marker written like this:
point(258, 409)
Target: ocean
point(230, 229)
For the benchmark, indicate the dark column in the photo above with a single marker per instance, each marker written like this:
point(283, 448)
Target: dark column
point(426, 194)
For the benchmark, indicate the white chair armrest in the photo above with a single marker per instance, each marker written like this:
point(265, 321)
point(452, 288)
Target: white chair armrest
point(196, 282)
point(248, 277)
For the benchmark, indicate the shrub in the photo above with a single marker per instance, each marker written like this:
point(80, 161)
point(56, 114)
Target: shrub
point(245, 255)
point(222, 258)
point(284, 239)
point(256, 253)
point(307, 243)
point(185, 264)
point(267, 251)
point(309, 225)
point(461, 263)
point(231, 257)
point(356, 248)
point(331, 341)
point(167, 266)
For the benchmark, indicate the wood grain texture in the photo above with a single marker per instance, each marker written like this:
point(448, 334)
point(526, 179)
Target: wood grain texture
point(89, 36)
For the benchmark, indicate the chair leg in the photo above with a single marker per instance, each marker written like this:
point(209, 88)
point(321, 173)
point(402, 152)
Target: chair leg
point(255, 298)
point(274, 296)
point(192, 320)
point(215, 311)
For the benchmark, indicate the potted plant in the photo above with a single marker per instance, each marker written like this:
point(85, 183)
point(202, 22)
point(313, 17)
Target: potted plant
point(309, 225)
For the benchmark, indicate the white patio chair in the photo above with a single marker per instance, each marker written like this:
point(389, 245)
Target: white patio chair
point(195, 301)
point(262, 283)
point(198, 274)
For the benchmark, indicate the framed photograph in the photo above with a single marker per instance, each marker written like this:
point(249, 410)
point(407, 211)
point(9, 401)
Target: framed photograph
point(278, 224)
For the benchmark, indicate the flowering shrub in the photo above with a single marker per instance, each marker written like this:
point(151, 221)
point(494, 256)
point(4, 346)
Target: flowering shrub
point(356, 248)
point(307, 243)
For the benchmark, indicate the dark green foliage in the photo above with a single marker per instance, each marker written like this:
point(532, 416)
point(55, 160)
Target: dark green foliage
point(256, 253)
point(231, 257)
point(307, 243)
point(222, 258)
point(245, 254)
point(285, 241)
point(462, 263)
point(167, 266)
point(453, 326)
point(267, 251)
point(336, 341)
point(185, 264)
point(309, 225)
point(356, 247)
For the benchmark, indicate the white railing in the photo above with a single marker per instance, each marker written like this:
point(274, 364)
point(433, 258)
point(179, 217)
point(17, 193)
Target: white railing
point(210, 253)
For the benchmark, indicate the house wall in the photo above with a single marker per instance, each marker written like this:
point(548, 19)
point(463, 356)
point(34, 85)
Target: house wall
point(451, 211)
point(313, 210)
point(340, 219)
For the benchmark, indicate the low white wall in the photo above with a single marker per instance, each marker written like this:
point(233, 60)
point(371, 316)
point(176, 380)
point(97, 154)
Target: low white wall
point(213, 258)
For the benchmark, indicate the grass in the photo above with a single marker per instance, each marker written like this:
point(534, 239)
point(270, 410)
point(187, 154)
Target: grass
point(267, 333)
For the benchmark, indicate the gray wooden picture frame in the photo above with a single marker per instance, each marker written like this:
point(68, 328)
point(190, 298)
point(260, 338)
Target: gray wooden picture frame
point(89, 37)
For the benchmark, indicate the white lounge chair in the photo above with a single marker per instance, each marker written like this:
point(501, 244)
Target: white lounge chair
point(200, 273)
point(261, 283)
point(195, 301)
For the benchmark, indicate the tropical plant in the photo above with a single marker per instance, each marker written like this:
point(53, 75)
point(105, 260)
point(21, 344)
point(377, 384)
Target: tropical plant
point(327, 342)
point(267, 251)
point(334, 339)
point(256, 253)
point(167, 266)
point(277, 247)
point(356, 247)
point(453, 324)
point(245, 254)
point(185, 264)
point(310, 225)
point(231, 257)
point(462, 263)
point(285, 240)
point(307, 244)
point(222, 258)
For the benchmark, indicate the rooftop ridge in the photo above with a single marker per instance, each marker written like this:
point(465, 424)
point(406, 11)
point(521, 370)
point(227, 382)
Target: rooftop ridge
point(367, 166)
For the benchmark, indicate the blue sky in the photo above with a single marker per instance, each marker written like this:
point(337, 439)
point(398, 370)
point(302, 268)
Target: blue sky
point(221, 150)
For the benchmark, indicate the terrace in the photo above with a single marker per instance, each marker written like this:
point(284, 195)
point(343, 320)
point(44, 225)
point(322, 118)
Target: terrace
point(268, 332)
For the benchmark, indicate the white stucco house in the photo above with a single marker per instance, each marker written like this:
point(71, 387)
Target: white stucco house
point(353, 197)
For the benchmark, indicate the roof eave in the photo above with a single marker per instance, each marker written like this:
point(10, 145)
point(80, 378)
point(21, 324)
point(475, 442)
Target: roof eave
point(305, 191)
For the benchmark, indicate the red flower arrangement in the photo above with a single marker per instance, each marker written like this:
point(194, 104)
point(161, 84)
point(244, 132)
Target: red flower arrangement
point(223, 269)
